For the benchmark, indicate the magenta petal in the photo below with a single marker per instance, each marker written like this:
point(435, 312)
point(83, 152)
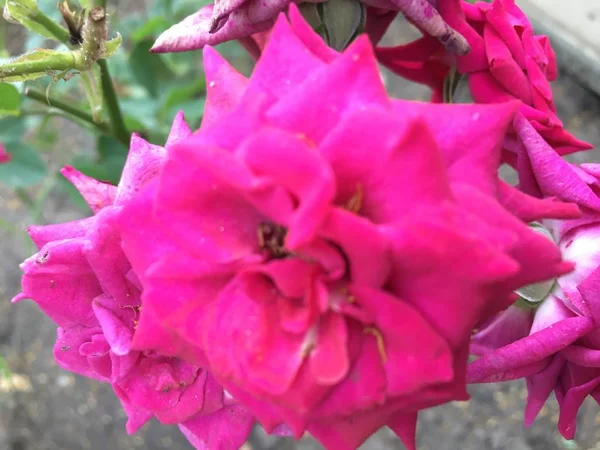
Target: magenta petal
point(60, 281)
point(307, 35)
point(582, 356)
point(321, 94)
point(194, 31)
point(346, 433)
point(507, 327)
point(469, 137)
point(530, 209)
point(263, 356)
point(225, 87)
point(504, 68)
point(42, 235)
point(225, 429)
point(4, 155)
point(157, 384)
point(414, 244)
point(225, 223)
point(577, 384)
point(405, 427)
point(192, 399)
point(97, 195)
point(498, 365)
point(179, 130)
point(117, 334)
point(143, 163)
point(291, 163)
point(151, 335)
point(561, 180)
point(285, 63)
point(136, 417)
point(413, 150)
point(364, 386)
point(222, 9)
point(102, 250)
point(539, 387)
point(423, 14)
point(365, 246)
point(414, 354)
point(329, 361)
point(67, 354)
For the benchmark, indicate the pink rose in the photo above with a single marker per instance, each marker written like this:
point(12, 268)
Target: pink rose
point(556, 344)
point(328, 249)
point(83, 281)
point(507, 61)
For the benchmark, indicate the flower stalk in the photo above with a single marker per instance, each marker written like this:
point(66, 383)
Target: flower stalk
point(112, 103)
point(66, 107)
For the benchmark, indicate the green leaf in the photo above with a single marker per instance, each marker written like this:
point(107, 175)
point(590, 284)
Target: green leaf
point(26, 168)
point(112, 46)
point(151, 28)
point(28, 14)
point(343, 20)
point(10, 100)
point(12, 129)
point(536, 293)
point(451, 83)
point(108, 148)
point(107, 171)
point(4, 370)
point(148, 67)
point(180, 94)
point(141, 109)
point(193, 110)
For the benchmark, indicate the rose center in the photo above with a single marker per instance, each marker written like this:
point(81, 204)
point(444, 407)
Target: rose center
point(271, 240)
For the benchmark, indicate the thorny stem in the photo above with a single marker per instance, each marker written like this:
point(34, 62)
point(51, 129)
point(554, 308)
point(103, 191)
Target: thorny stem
point(60, 62)
point(111, 101)
point(110, 96)
point(70, 109)
point(112, 104)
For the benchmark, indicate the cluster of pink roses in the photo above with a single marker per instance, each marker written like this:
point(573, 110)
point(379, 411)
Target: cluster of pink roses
point(317, 255)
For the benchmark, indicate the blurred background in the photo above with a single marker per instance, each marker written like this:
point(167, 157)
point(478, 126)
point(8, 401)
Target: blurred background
point(45, 408)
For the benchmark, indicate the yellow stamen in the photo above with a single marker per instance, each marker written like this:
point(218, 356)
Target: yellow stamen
point(307, 140)
point(355, 202)
point(350, 298)
point(380, 343)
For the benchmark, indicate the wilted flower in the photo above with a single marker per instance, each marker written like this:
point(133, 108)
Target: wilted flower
point(328, 249)
point(82, 280)
point(227, 20)
point(507, 61)
point(556, 344)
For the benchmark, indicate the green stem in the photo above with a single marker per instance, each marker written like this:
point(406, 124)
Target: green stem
point(23, 66)
point(66, 107)
point(42, 195)
point(100, 3)
point(112, 104)
point(24, 197)
point(61, 34)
